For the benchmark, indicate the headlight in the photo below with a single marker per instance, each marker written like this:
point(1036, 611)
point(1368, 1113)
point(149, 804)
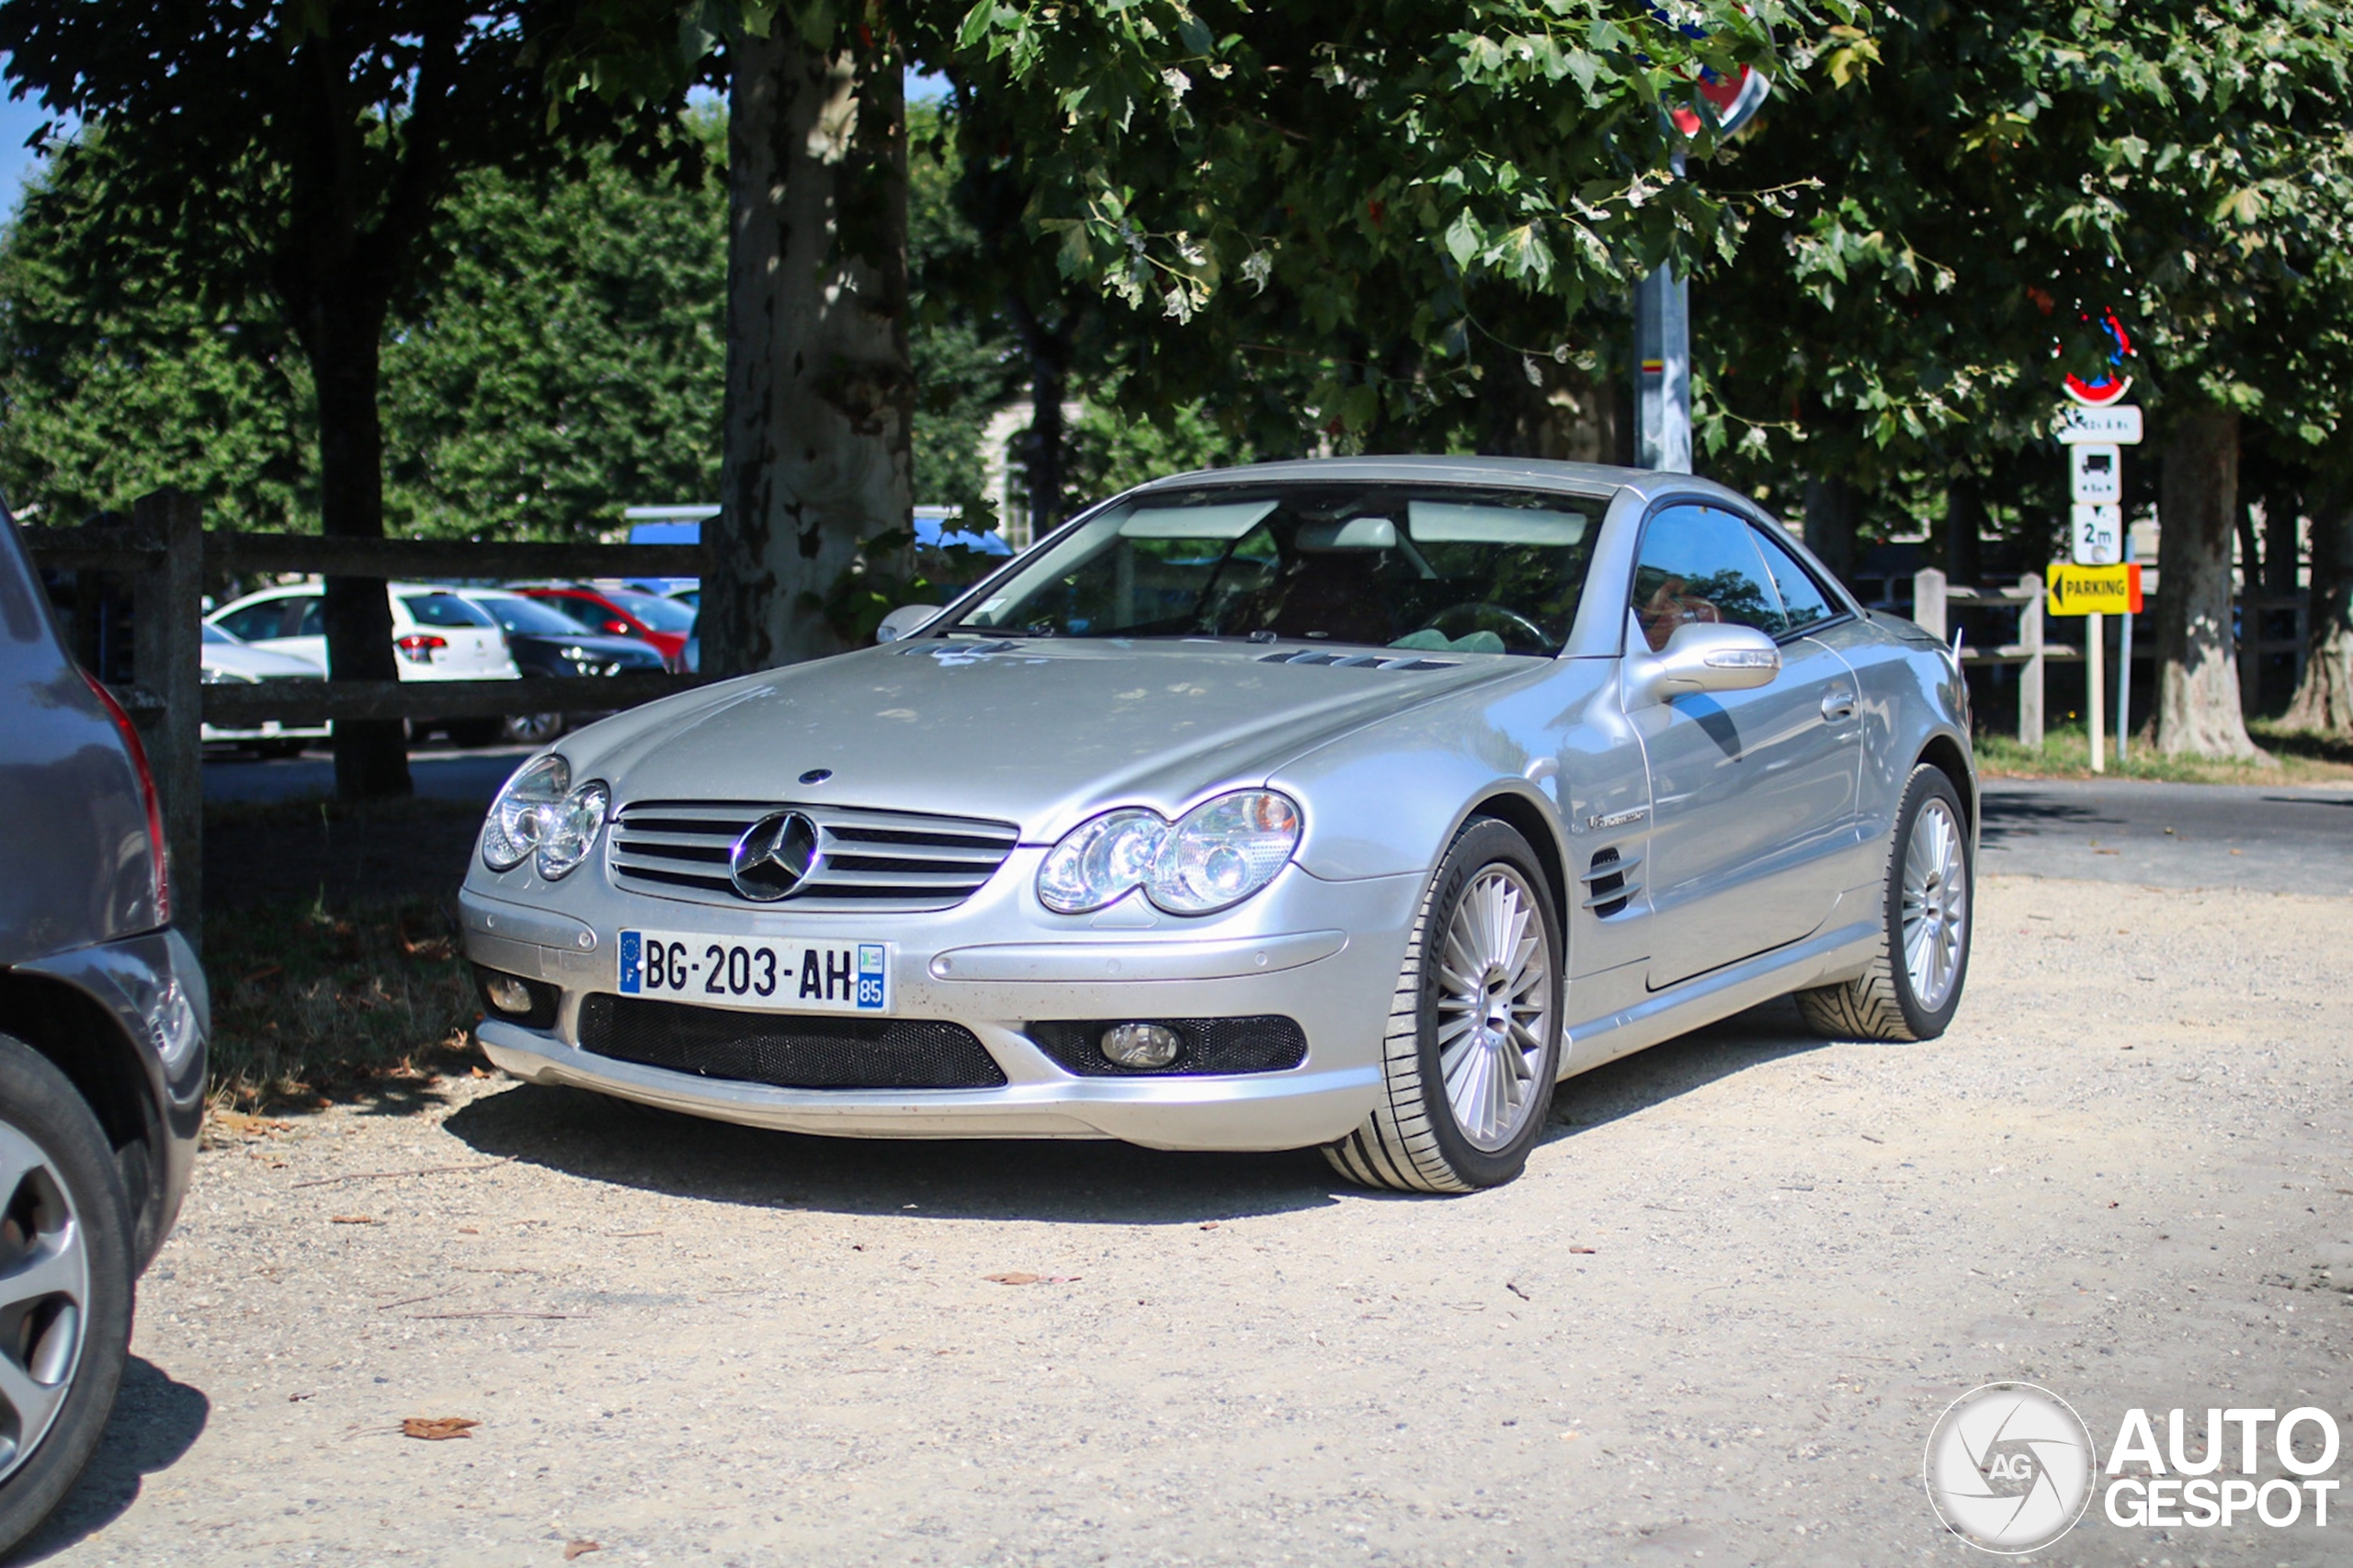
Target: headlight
point(1221, 853)
point(539, 814)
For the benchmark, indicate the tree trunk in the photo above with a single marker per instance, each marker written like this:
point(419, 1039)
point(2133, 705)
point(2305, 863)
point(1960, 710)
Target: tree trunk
point(1045, 449)
point(2197, 684)
point(820, 392)
point(1965, 532)
point(1564, 414)
point(1830, 508)
point(2324, 700)
point(342, 335)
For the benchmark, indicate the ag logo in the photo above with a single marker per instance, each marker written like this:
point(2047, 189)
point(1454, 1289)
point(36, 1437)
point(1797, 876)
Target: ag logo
point(2009, 1468)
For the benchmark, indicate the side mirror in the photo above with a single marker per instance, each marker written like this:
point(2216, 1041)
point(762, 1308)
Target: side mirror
point(905, 621)
point(1702, 656)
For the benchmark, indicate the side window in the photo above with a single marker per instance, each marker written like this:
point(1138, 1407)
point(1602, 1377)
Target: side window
point(1700, 566)
point(255, 622)
point(1802, 600)
point(314, 618)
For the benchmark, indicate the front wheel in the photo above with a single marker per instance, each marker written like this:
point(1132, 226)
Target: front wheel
point(1474, 1045)
point(1912, 987)
point(65, 1287)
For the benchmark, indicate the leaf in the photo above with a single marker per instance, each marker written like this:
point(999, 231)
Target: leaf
point(350, 1219)
point(573, 1549)
point(438, 1428)
point(1462, 238)
point(1015, 1277)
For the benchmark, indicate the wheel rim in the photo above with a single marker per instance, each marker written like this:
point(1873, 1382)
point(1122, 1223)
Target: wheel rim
point(44, 1296)
point(533, 726)
point(1494, 1007)
point(1935, 904)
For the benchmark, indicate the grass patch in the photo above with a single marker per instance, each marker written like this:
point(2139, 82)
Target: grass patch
point(2297, 758)
point(308, 1003)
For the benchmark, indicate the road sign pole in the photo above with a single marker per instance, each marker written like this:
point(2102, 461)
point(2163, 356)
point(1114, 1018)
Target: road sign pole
point(2095, 684)
point(1663, 372)
point(2124, 670)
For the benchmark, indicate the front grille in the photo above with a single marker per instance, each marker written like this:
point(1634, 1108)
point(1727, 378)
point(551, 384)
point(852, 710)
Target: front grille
point(1264, 1044)
point(797, 1051)
point(883, 861)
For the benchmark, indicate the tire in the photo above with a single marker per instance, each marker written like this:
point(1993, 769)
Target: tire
point(1930, 868)
point(475, 731)
point(1417, 1139)
point(63, 1203)
point(531, 729)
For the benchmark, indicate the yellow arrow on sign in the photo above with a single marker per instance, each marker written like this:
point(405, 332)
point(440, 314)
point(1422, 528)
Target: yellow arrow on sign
point(2086, 590)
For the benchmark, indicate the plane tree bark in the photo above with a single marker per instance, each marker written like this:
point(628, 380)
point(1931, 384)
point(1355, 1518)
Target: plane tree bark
point(2197, 682)
point(2324, 700)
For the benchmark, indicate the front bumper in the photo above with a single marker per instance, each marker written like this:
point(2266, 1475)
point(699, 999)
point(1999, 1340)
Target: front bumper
point(1323, 953)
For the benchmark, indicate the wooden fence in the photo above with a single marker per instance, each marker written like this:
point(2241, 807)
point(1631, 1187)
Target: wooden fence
point(163, 553)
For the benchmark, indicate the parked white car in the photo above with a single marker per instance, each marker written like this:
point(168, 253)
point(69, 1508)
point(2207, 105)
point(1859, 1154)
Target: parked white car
point(436, 634)
point(228, 662)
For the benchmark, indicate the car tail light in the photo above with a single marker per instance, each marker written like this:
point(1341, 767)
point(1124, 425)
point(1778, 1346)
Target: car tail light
point(418, 647)
point(154, 802)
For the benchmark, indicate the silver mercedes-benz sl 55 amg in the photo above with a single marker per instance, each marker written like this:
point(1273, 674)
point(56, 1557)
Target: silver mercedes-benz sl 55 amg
point(1349, 803)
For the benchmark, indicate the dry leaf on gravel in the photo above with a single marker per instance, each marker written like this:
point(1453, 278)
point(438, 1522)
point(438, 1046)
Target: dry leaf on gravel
point(1014, 1277)
point(1580, 1249)
point(573, 1549)
point(436, 1429)
point(350, 1219)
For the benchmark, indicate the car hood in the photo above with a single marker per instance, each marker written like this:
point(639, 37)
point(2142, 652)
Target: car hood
point(591, 642)
point(1041, 733)
point(259, 663)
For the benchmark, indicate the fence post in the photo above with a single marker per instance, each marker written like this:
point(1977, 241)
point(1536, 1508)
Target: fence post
point(1928, 603)
point(168, 658)
point(2031, 673)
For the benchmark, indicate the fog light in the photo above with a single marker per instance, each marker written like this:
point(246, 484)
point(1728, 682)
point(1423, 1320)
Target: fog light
point(507, 994)
point(1141, 1045)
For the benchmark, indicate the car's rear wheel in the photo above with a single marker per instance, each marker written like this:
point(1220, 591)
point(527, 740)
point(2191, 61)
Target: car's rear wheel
point(1473, 1043)
point(1912, 987)
point(65, 1287)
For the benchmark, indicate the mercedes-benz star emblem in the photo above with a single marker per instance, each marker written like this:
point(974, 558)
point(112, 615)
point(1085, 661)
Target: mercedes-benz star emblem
point(773, 855)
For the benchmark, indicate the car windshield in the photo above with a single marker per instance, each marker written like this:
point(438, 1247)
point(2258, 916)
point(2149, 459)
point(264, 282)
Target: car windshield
point(663, 615)
point(529, 615)
point(1439, 567)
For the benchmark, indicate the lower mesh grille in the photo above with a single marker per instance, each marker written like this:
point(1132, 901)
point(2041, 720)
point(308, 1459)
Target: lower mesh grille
point(1264, 1044)
point(795, 1052)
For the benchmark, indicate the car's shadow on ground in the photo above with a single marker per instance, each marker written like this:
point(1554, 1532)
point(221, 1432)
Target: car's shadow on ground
point(603, 1140)
point(2004, 818)
point(155, 1422)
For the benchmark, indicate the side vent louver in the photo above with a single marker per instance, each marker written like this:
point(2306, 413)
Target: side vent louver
point(1609, 881)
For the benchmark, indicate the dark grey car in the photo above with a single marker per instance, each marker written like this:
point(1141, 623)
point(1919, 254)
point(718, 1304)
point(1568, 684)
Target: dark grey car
point(104, 1014)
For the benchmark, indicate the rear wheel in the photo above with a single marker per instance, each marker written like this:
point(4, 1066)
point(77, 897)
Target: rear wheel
point(1912, 987)
point(1473, 1044)
point(65, 1287)
point(533, 729)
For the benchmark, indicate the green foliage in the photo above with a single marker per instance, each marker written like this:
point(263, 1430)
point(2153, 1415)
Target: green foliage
point(1110, 450)
point(567, 355)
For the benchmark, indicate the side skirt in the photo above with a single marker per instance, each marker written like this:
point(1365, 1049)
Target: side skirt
point(1836, 952)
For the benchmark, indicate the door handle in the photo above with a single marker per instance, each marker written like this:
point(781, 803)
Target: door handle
point(1837, 704)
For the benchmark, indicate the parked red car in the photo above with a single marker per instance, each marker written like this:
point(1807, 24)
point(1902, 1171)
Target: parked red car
point(625, 612)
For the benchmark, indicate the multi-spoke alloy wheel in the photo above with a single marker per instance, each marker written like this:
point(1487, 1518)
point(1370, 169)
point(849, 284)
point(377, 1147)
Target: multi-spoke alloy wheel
point(1936, 903)
point(1494, 1006)
point(1473, 1043)
point(65, 1284)
point(44, 1295)
point(1913, 986)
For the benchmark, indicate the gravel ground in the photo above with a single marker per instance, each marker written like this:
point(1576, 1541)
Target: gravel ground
point(1713, 1325)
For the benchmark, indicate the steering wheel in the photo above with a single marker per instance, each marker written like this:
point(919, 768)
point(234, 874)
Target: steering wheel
point(1519, 633)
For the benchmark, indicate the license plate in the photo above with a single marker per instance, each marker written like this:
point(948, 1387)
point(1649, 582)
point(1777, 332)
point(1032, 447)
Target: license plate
point(736, 972)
